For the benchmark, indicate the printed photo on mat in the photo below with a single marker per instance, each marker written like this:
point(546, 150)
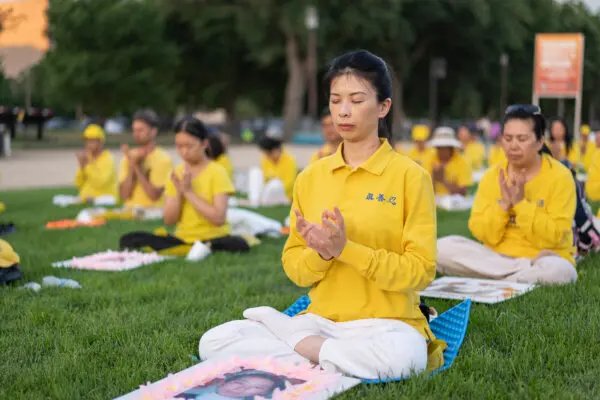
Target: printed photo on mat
point(246, 384)
point(478, 290)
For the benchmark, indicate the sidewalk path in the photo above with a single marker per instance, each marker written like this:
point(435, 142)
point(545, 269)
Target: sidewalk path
point(26, 169)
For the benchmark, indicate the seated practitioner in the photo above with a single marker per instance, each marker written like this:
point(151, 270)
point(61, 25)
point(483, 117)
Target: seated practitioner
point(450, 171)
point(145, 169)
point(496, 154)
point(331, 136)
point(586, 147)
point(473, 150)
point(522, 214)
point(9, 264)
point(362, 238)
point(195, 200)
point(217, 151)
point(277, 164)
point(96, 175)
point(562, 143)
point(420, 153)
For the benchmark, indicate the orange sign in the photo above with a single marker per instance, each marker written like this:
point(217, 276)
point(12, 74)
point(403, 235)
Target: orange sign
point(558, 65)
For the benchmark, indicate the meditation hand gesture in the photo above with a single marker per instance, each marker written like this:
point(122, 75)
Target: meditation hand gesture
point(513, 194)
point(334, 222)
point(82, 158)
point(313, 234)
point(176, 182)
point(186, 180)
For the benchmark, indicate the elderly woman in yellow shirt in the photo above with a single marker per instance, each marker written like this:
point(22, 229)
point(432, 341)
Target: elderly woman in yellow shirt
point(450, 171)
point(473, 151)
point(195, 200)
point(331, 136)
point(522, 214)
point(362, 237)
point(96, 175)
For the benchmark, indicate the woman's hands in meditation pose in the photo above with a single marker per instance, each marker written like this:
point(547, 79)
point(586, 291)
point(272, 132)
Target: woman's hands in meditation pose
point(514, 193)
point(328, 238)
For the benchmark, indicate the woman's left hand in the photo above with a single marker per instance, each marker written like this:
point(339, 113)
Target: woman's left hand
point(333, 221)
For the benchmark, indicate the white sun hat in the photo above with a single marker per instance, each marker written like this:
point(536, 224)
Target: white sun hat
point(444, 136)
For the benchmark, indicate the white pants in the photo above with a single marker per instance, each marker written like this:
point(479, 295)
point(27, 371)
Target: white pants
point(369, 349)
point(459, 256)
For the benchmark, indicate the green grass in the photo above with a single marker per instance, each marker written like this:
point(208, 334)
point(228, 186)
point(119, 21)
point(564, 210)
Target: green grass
point(124, 329)
point(72, 139)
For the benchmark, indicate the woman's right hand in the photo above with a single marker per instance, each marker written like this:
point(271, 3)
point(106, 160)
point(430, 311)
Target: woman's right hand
point(505, 202)
point(315, 235)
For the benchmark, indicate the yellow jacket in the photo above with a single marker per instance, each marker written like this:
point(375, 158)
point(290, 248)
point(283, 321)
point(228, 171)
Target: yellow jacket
point(285, 169)
point(542, 221)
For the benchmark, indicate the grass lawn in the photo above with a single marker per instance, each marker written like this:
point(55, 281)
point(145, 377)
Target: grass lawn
point(126, 328)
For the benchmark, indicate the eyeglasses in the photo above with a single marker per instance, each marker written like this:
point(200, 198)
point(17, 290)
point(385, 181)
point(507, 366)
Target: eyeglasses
point(524, 108)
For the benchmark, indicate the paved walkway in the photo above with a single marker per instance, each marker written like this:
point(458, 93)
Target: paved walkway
point(26, 169)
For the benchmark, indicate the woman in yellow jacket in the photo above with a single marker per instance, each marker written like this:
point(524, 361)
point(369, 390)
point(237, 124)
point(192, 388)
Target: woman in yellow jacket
point(522, 214)
point(96, 175)
point(196, 199)
point(562, 143)
point(362, 238)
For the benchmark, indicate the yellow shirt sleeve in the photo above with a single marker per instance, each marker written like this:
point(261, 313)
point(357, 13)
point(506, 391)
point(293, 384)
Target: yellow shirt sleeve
point(221, 182)
point(414, 268)
point(592, 186)
point(488, 220)
point(550, 227)
point(302, 265)
point(160, 171)
point(589, 156)
point(79, 178)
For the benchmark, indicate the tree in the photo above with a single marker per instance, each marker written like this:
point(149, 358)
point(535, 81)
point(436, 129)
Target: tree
point(108, 56)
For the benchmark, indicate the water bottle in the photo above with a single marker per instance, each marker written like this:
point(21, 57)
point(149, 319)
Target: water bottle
point(54, 281)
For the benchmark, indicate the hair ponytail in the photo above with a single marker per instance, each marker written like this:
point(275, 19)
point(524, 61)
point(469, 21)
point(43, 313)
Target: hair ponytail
point(384, 128)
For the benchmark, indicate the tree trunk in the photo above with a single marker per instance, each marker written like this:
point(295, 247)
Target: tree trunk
point(295, 88)
point(397, 104)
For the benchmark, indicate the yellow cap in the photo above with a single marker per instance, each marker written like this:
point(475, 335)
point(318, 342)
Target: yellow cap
point(94, 131)
point(585, 130)
point(8, 257)
point(420, 133)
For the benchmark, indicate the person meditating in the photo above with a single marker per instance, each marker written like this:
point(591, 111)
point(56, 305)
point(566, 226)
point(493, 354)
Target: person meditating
point(451, 172)
point(522, 214)
point(279, 168)
point(420, 153)
point(472, 149)
point(362, 236)
point(195, 200)
point(144, 170)
point(331, 136)
point(96, 175)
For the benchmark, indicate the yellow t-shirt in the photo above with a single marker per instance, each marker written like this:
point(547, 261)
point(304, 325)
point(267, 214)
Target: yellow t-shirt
point(286, 169)
point(542, 221)
point(324, 151)
point(224, 161)
point(457, 172)
point(98, 177)
point(496, 155)
point(422, 158)
point(158, 166)
point(192, 226)
point(474, 153)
